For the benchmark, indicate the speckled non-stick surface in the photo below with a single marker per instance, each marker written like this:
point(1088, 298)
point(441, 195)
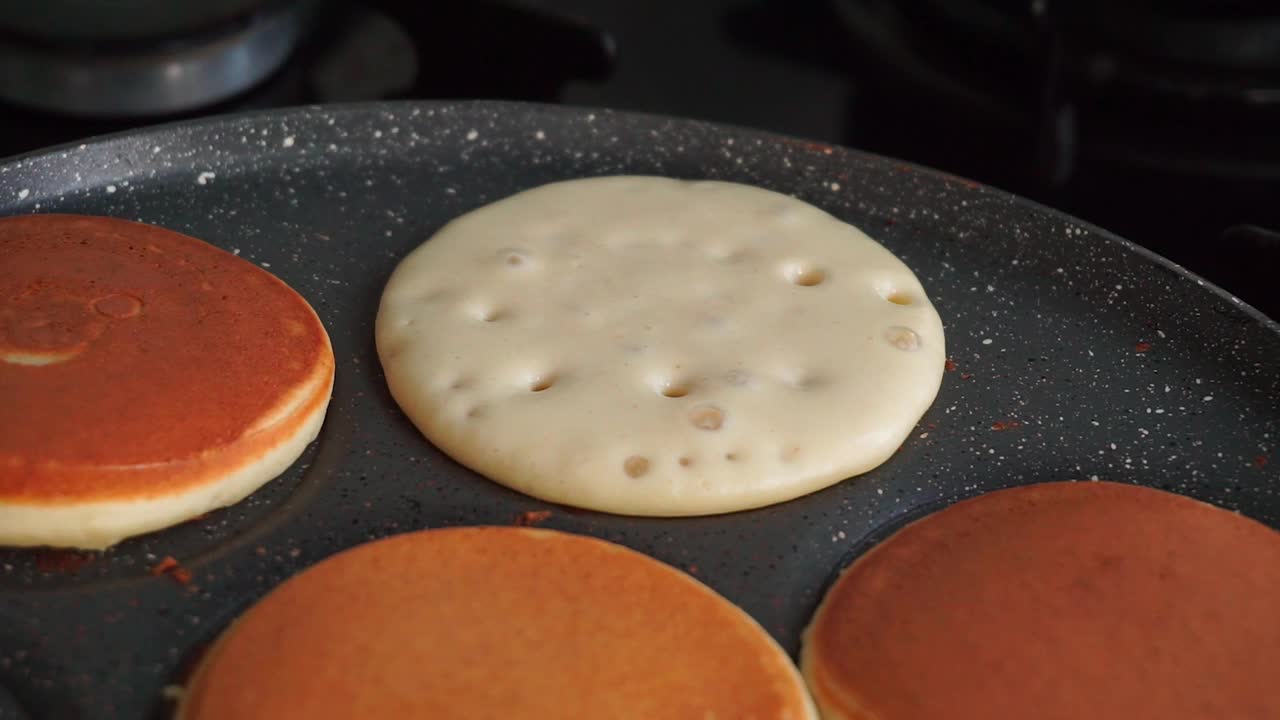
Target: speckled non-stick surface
point(1075, 355)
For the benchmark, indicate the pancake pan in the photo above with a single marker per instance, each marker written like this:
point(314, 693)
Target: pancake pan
point(1074, 354)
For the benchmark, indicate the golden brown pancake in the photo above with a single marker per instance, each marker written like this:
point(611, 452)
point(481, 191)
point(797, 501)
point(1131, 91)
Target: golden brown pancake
point(494, 622)
point(147, 377)
point(1061, 600)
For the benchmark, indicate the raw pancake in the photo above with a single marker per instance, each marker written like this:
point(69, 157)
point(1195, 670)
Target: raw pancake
point(147, 378)
point(494, 622)
point(1061, 600)
point(652, 346)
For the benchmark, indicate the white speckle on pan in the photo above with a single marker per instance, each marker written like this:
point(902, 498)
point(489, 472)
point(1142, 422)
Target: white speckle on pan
point(23, 193)
point(835, 186)
point(287, 142)
point(235, 251)
point(204, 177)
point(111, 189)
point(986, 341)
point(540, 135)
point(266, 264)
point(473, 134)
point(155, 149)
point(377, 134)
point(1207, 398)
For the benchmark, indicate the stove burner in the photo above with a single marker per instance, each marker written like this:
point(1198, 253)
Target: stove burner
point(1152, 119)
point(148, 76)
point(69, 86)
point(1179, 86)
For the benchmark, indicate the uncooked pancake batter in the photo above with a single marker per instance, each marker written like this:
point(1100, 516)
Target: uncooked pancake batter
point(652, 346)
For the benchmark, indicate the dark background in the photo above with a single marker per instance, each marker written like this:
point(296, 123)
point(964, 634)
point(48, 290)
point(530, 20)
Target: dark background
point(1156, 120)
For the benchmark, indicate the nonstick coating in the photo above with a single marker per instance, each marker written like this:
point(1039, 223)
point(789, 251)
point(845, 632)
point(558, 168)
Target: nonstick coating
point(1076, 355)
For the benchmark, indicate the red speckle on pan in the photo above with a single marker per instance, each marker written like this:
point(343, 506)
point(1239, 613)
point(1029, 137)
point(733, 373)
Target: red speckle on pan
point(66, 561)
point(951, 365)
point(1260, 461)
point(965, 376)
point(966, 182)
point(170, 567)
point(810, 146)
point(1142, 347)
point(531, 517)
point(1005, 425)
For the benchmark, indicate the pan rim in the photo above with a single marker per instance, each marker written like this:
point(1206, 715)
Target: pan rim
point(14, 162)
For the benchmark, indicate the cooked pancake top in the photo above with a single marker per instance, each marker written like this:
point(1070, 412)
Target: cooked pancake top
point(1061, 600)
point(495, 622)
point(125, 345)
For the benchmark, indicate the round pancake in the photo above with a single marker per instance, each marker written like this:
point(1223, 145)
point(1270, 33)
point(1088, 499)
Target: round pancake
point(1060, 600)
point(650, 346)
point(148, 377)
point(494, 622)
